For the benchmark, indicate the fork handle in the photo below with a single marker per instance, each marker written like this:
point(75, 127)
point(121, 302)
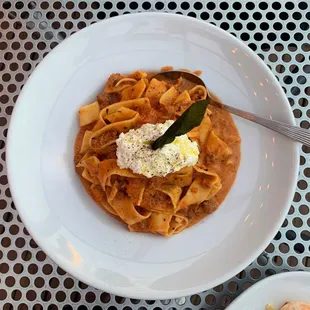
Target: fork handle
point(295, 133)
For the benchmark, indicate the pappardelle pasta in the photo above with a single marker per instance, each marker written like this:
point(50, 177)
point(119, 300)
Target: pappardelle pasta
point(165, 203)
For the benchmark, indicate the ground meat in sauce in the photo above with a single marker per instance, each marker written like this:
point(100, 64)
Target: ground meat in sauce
point(113, 79)
point(141, 226)
point(156, 200)
point(106, 99)
point(197, 96)
point(196, 213)
point(103, 139)
point(149, 118)
point(141, 211)
point(97, 193)
point(110, 155)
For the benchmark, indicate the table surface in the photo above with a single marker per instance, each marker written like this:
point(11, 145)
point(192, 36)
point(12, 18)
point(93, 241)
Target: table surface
point(277, 31)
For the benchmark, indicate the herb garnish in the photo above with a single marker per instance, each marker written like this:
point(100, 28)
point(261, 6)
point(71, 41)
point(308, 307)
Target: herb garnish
point(190, 119)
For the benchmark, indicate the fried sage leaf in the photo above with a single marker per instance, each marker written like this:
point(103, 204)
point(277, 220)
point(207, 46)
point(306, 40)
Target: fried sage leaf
point(190, 119)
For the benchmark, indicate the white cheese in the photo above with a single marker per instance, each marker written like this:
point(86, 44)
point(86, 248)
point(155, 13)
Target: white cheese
point(134, 151)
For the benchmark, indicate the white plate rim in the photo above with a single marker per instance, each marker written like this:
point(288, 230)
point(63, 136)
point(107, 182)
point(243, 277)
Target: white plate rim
point(266, 282)
point(131, 292)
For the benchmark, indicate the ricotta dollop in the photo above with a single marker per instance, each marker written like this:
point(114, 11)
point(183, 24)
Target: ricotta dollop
point(134, 151)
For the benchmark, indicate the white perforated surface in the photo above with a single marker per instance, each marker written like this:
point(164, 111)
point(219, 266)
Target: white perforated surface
point(277, 31)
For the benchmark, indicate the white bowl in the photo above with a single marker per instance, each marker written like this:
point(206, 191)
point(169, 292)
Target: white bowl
point(84, 240)
point(276, 291)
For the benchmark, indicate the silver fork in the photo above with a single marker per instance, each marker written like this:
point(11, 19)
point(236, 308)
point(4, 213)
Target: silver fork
point(293, 132)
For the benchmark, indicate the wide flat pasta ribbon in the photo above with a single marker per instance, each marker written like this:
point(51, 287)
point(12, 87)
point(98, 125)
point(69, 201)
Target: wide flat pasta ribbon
point(172, 191)
point(204, 187)
point(217, 147)
point(90, 171)
point(135, 190)
point(169, 96)
point(121, 114)
point(138, 75)
point(204, 129)
point(86, 175)
point(126, 210)
point(91, 163)
point(134, 92)
point(198, 93)
point(101, 139)
point(161, 223)
point(135, 104)
point(180, 178)
point(109, 167)
point(107, 207)
point(120, 85)
point(89, 113)
point(86, 142)
point(99, 124)
point(183, 101)
point(156, 89)
point(161, 198)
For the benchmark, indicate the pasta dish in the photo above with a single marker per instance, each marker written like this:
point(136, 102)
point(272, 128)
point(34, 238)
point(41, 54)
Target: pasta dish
point(163, 191)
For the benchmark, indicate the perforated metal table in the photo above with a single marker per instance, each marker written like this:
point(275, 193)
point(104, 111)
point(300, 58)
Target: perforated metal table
point(277, 31)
